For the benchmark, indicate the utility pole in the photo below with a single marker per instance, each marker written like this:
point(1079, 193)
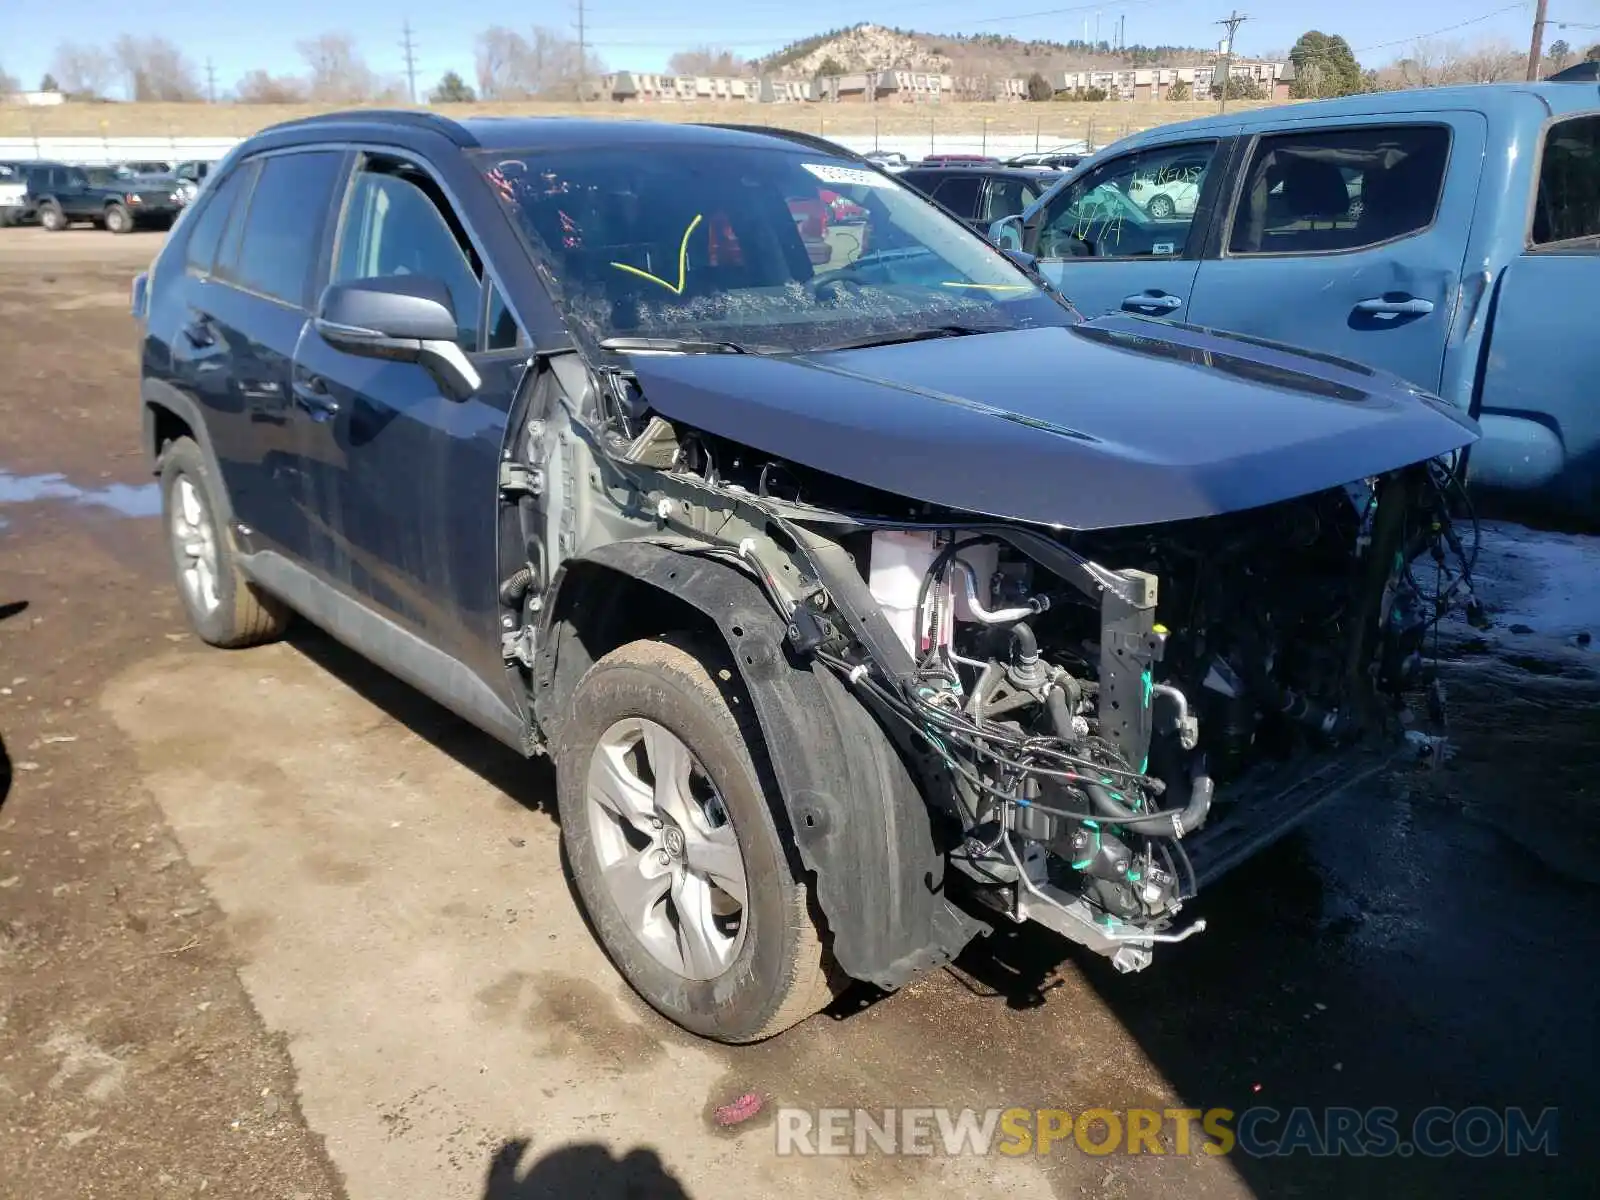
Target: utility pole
point(410, 48)
point(1231, 23)
point(211, 82)
point(1536, 47)
point(583, 56)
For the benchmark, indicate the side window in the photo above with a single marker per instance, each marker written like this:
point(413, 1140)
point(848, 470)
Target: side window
point(1139, 205)
point(74, 178)
point(395, 224)
point(1339, 189)
point(921, 180)
point(282, 224)
point(503, 332)
point(1567, 204)
point(205, 234)
point(1006, 197)
point(959, 193)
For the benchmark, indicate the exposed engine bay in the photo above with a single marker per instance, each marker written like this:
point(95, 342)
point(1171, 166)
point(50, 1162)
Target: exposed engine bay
point(1104, 720)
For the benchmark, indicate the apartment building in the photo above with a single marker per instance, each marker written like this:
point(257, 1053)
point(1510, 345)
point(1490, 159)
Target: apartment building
point(1156, 83)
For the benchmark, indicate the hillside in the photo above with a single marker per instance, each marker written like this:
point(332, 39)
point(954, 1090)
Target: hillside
point(877, 48)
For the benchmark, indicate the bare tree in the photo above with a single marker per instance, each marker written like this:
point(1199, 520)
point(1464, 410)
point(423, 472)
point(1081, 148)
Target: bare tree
point(8, 83)
point(152, 68)
point(546, 63)
point(82, 70)
point(337, 72)
point(1429, 64)
point(258, 87)
point(707, 60)
point(1492, 62)
point(1433, 64)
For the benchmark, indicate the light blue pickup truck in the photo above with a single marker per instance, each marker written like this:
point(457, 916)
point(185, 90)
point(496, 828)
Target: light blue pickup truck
point(1449, 235)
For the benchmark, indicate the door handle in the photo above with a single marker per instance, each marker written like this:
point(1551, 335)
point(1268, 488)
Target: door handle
point(1159, 301)
point(1397, 306)
point(311, 393)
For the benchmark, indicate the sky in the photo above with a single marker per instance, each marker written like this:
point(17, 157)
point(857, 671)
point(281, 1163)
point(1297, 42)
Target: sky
point(642, 34)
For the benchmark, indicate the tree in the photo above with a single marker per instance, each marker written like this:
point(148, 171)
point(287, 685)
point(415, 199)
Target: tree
point(83, 71)
point(1592, 54)
point(1559, 53)
point(258, 87)
point(1039, 88)
point(1239, 88)
point(452, 89)
point(153, 69)
point(48, 83)
point(707, 60)
point(513, 67)
point(830, 66)
point(336, 71)
point(8, 83)
point(1324, 65)
point(1180, 91)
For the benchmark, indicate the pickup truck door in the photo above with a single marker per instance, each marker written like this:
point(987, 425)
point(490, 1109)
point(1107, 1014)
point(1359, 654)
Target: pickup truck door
point(1106, 252)
point(1349, 238)
point(1540, 418)
point(404, 480)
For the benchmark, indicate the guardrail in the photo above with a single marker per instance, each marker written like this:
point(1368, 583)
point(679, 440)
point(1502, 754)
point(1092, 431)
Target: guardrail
point(91, 150)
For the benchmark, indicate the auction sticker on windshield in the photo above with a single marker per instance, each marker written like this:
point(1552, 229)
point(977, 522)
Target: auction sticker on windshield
point(844, 176)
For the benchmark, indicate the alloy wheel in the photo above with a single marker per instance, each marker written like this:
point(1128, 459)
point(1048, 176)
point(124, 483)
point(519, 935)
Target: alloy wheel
point(194, 540)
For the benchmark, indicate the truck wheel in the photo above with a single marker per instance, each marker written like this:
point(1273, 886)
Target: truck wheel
point(119, 219)
point(51, 216)
point(1162, 207)
point(678, 847)
point(224, 608)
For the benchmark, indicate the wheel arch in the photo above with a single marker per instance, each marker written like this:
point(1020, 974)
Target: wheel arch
point(860, 826)
point(165, 414)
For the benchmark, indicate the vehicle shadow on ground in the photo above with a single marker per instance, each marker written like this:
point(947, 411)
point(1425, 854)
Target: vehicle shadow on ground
point(583, 1169)
point(10, 609)
point(530, 782)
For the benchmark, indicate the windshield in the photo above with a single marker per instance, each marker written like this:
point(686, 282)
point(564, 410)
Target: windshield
point(772, 249)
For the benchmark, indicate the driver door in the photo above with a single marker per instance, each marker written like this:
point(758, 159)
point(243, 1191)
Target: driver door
point(1109, 245)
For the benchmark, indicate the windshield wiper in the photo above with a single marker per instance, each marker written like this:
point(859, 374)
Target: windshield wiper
point(894, 337)
point(651, 345)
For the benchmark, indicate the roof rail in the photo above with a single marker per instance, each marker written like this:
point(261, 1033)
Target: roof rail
point(814, 141)
point(414, 118)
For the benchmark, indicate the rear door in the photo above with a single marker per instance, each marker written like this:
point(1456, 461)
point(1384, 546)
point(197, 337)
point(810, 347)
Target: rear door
point(405, 479)
point(1107, 252)
point(1350, 239)
point(245, 321)
point(961, 192)
point(1540, 413)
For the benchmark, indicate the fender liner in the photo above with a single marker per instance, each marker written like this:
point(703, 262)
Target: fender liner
point(860, 825)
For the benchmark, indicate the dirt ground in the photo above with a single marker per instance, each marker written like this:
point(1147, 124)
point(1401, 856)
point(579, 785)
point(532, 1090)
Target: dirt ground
point(273, 925)
point(1054, 122)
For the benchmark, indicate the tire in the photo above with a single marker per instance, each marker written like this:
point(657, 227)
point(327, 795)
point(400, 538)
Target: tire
point(1162, 207)
point(748, 982)
point(231, 612)
point(51, 217)
point(118, 219)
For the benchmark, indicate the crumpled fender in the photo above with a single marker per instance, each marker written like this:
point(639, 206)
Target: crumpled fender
point(860, 825)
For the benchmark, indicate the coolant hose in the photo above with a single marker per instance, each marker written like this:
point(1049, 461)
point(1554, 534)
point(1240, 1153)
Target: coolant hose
point(516, 587)
point(1166, 823)
point(1060, 715)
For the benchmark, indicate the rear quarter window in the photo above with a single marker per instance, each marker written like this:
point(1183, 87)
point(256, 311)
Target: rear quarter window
point(1566, 205)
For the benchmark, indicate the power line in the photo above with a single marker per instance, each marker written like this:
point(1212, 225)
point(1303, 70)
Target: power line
point(409, 46)
point(1231, 23)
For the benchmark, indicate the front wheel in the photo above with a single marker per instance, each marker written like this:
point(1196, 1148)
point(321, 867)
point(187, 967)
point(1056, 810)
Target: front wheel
point(118, 219)
point(678, 845)
point(1162, 207)
point(51, 216)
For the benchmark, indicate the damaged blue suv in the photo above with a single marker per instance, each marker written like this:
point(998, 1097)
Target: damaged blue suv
point(864, 600)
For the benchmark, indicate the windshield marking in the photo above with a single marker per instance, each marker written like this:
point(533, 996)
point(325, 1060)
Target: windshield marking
point(989, 287)
point(848, 175)
point(683, 262)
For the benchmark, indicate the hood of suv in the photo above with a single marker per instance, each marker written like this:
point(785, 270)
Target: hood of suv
point(1113, 422)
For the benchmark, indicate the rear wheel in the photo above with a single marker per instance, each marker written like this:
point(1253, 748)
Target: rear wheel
point(1162, 207)
point(224, 607)
point(118, 219)
point(51, 216)
point(678, 846)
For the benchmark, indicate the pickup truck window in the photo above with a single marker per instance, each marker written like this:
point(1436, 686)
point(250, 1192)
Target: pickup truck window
point(1339, 189)
point(1140, 205)
point(1567, 204)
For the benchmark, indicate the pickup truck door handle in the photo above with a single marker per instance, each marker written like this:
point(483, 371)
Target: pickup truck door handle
point(197, 331)
point(1398, 306)
point(1158, 301)
point(311, 393)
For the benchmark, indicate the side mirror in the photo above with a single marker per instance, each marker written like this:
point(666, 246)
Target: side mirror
point(406, 318)
point(1006, 233)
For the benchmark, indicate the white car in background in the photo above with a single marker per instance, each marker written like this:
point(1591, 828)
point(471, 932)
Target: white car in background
point(13, 194)
point(1172, 191)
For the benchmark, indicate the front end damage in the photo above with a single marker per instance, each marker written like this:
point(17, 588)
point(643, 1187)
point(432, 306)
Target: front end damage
point(1100, 721)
